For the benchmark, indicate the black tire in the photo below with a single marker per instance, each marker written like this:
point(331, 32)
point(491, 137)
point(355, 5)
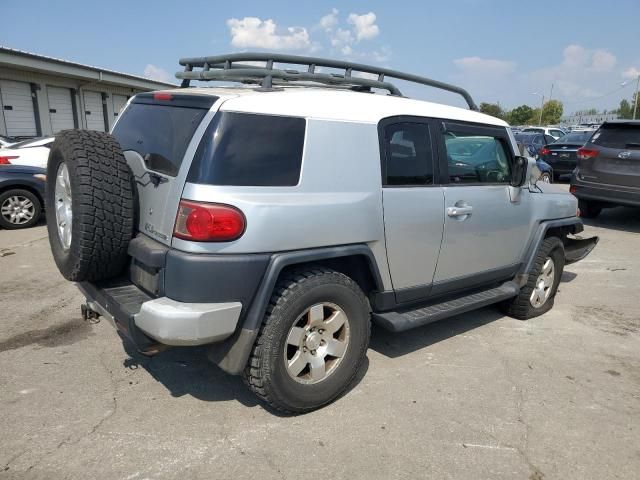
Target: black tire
point(546, 177)
point(20, 193)
point(266, 372)
point(589, 209)
point(520, 307)
point(102, 201)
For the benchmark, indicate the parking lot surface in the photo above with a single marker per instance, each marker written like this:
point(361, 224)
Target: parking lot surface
point(477, 396)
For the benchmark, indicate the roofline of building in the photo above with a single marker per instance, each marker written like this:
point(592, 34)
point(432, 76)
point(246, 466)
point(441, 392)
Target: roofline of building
point(11, 57)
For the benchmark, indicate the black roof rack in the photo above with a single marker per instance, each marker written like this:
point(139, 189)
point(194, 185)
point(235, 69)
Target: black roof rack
point(226, 68)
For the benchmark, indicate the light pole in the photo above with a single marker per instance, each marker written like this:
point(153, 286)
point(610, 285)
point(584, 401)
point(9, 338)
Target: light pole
point(635, 98)
point(541, 105)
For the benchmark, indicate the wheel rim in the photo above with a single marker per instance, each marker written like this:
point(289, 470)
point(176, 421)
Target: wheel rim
point(316, 343)
point(546, 178)
point(64, 212)
point(18, 210)
point(544, 284)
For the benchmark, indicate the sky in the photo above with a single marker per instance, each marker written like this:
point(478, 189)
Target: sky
point(501, 51)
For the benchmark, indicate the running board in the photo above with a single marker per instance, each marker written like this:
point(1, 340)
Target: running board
point(400, 321)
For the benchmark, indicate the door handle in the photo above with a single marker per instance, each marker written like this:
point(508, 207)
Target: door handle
point(459, 211)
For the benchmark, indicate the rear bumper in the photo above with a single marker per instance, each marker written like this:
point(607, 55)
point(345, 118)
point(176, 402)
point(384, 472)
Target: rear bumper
point(612, 194)
point(147, 320)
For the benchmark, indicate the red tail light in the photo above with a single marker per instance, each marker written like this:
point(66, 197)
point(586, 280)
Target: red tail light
point(208, 222)
point(545, 151)
point(586, 153)
point(6, 160)
point(573, 189)
point(162, 96)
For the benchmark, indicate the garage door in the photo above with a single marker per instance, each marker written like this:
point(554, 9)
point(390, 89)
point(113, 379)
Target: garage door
point(17, 106)
point(60, 108)
point(93, 111)
point(119, 101)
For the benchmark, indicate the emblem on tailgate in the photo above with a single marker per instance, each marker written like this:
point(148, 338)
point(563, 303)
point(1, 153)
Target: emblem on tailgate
point(625, 154)
point(151, 229)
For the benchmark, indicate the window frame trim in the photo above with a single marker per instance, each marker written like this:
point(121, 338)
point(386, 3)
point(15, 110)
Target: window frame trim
point(382, 145)
point(495, 131)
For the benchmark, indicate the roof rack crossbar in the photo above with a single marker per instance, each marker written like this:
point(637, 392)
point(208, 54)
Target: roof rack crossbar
point(230, 68)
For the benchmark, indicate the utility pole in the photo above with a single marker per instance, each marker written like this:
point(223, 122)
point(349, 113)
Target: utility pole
point(541, 108)
point(635, 100)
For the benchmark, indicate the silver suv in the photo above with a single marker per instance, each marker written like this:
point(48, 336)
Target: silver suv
point(274, 221)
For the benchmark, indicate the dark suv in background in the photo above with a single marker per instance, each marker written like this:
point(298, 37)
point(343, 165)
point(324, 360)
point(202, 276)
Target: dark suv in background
point(562, 154)
point(608, 171)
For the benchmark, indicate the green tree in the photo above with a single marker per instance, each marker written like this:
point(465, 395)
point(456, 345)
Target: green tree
point(534, 118)
point(519, 115)
point(625, 111)
point(493, 109)
point(552, 112)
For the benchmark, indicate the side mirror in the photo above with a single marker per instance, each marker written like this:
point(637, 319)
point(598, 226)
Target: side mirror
point(519, 171)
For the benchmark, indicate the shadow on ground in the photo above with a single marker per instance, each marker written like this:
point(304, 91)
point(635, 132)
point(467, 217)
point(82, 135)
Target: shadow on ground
point(394, 345)
point(624, 219)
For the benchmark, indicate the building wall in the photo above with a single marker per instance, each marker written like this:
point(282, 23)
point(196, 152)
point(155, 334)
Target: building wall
point(598, 118)
point(42, 80)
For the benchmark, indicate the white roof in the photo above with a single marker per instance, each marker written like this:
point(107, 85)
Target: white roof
point(335, 104)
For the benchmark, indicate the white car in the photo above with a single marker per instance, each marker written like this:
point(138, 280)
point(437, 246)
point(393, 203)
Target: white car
point(34, 152)
point(554, 132)
point(6, 141)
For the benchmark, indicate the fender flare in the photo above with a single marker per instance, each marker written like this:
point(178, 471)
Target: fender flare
point(232, 354)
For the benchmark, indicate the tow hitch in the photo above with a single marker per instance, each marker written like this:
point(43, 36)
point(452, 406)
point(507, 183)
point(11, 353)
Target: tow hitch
point(89, 314)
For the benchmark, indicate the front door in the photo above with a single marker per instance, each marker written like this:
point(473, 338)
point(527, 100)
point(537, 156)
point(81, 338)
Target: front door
point(486, 221)
point(413, 205)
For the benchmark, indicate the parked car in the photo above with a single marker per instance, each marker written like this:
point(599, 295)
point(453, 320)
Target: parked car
point(608, 170)
point(6, 141)
point(33, 152)
point(550, 131)
point(533, 142)
point(279, 220)
point(21, 196)
point(561, 154)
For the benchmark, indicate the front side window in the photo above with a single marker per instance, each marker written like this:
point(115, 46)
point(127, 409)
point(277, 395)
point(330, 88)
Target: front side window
point(474, 159)
point(245, 149)
point(408, 155)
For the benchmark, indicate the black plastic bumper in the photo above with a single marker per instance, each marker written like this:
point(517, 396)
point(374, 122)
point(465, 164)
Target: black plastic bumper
point(607, 194)
point(575, 249)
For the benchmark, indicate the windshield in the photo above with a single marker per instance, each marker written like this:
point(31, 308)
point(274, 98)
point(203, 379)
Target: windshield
point(622, 135)
point(579, 138)
point(158, 131)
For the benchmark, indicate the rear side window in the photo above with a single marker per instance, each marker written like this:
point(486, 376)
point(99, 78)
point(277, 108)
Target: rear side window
point(245, 149)
point(408, 155)
point(158, 132)
point(617, 136)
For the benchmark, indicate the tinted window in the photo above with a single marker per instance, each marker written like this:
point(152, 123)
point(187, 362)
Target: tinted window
point(408, 155)
point(250, 150)
point(617, 136)
point(578, 138)
point(476, 159)
point(158, 130)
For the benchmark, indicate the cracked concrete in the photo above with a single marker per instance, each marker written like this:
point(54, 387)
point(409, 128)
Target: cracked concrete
point(480, 396)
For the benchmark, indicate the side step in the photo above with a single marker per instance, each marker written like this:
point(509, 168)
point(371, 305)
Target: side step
point(400, 321)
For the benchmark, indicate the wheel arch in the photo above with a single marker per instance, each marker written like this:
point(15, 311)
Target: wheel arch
point(232, 354)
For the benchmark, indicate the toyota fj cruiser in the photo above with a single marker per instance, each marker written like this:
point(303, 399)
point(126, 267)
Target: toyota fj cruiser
point(275, 221)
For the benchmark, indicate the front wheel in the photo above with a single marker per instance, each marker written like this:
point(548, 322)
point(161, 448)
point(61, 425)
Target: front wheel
point(538, 295)
point(312, 342)
point(19, 208)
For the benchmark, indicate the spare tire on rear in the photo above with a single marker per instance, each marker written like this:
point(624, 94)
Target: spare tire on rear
point(89, 205)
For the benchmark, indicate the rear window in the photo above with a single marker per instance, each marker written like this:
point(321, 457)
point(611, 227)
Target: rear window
point(575, 137)
point(158, 131)
point(245, 149)
point(617, 136)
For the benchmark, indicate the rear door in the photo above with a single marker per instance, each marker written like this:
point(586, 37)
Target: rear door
point(615, 155)
point(94, 111)
point(486, 221)
point(156, 135)
point(413, 204)
point(60, 108)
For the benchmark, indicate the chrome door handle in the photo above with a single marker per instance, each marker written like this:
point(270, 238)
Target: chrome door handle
point(459, 211)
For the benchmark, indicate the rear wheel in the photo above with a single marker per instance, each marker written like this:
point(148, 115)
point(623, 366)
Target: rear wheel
point(546, 177)
point(312, 342)
point(589, 209)
point(19, 208)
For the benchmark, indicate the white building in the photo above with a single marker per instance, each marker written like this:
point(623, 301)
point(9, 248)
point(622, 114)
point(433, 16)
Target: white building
point(588, 119)
point(42, 95)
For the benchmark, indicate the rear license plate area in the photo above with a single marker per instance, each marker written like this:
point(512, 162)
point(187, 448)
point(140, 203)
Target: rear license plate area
point(145, 278)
